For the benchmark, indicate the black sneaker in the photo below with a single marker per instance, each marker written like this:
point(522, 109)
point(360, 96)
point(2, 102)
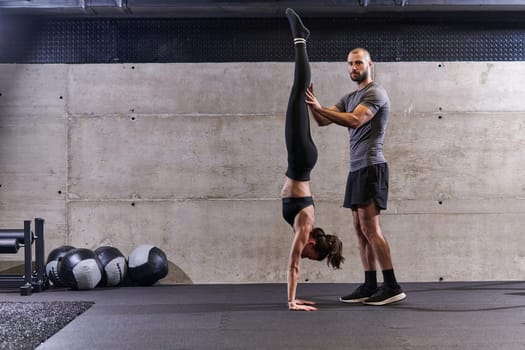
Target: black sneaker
point(357, 296)
point(385, 295)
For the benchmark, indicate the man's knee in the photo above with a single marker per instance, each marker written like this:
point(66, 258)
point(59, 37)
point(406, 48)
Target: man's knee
point(366, 229)
point(369, 227)
point(357, 228)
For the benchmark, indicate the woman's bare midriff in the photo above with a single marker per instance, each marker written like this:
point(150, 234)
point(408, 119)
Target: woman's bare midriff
point(293, 188)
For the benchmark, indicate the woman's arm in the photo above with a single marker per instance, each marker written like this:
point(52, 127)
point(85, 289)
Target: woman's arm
point(302, 229)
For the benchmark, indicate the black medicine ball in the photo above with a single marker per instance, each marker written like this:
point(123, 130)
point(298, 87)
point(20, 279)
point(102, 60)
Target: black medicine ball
point(52, 264)
point(147, 264)
point(80, 269)
point(114, 265)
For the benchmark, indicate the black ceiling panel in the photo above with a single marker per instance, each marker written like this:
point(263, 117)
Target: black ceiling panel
point(135, 40)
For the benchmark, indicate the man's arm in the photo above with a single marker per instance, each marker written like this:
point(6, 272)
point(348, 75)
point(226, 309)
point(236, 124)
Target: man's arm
point(319, 118)
point(325, 116)
point(354, 120)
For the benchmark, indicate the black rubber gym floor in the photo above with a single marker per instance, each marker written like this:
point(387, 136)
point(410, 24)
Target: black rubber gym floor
point(485, 315)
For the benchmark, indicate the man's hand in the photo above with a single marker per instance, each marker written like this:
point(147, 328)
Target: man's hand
point(316, 108)
point(311, 100)
point(301, 305)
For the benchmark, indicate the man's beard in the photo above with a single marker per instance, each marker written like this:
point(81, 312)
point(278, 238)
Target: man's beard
point(360, 78)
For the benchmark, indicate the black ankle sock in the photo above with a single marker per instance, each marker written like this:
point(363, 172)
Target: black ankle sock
point(296, 25)
point(389, 278)
point(371, 280)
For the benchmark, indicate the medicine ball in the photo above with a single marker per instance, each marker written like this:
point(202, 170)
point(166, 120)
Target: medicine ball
point(80, 269)
point(147, 264)
point(52, 261)
point(114, 265)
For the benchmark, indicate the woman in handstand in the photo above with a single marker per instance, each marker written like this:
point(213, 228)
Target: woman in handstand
point(298, 206)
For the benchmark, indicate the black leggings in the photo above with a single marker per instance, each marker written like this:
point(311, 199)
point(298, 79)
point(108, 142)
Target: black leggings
point(302, 153)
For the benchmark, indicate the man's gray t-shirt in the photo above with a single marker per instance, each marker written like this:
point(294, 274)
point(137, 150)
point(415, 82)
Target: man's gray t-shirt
point(366, 142)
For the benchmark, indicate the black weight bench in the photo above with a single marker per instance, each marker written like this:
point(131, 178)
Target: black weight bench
point(10, 241)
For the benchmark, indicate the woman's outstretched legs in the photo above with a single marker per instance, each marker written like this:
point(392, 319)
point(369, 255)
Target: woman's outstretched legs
point(302, 153)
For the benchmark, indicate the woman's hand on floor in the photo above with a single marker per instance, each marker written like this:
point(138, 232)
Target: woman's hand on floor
point(301, 305)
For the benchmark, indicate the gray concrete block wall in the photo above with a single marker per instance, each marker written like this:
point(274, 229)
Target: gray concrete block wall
point(191, 157)
point(33, 149)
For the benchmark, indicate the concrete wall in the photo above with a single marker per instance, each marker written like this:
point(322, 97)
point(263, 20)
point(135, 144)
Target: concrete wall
point(191, 158)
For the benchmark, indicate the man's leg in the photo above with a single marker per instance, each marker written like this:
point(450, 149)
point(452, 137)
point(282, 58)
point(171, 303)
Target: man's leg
point(368, 216)
point(390, 291)
point(368, 259)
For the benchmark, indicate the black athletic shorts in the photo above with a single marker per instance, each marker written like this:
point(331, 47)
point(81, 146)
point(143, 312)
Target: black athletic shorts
point(293, 205)
point(367, 184)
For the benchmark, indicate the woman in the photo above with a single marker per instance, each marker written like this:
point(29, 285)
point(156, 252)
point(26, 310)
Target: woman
point(298, 206)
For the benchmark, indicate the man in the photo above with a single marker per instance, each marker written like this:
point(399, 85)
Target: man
point(365, 113)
